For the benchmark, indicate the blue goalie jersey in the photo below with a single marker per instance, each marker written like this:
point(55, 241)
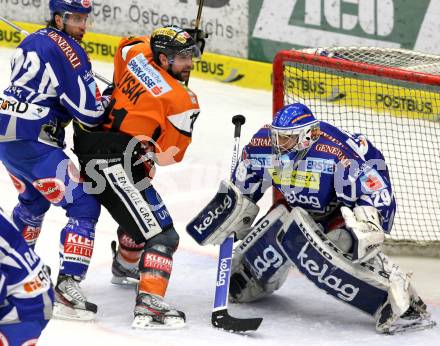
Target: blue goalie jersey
point(26, 292)
point(339, 169)
point(51, 84)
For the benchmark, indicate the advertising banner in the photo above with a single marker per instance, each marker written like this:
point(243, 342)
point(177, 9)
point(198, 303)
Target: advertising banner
point(285, 24)
point(225, 20)
point(98, 46)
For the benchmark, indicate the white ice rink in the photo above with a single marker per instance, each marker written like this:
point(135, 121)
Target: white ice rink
point(298, 314)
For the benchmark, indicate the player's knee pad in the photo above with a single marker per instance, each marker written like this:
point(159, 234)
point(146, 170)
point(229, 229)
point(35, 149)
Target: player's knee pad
point(229, 211)
point(259, 266)
point(76, 244)
point(168, 238)
point(28, 223)
point(155, 266)
point(84, 207)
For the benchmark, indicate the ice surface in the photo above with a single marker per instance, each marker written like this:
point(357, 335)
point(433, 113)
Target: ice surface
point(298, 314)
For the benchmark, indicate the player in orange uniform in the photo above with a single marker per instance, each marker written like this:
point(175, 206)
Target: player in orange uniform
point(150, 121)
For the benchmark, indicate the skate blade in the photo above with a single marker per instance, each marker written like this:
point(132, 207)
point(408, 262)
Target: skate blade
point(124, 281)
point(412, 327)
point(63, 312)
point(146, 322)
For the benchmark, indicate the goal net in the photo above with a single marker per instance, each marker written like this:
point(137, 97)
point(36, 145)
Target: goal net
point(393, 97)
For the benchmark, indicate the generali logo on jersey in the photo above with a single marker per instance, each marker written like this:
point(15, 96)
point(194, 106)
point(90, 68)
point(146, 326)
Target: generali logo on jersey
point(66, 48)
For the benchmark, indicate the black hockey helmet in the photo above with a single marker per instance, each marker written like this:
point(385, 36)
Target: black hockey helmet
point(172, 40)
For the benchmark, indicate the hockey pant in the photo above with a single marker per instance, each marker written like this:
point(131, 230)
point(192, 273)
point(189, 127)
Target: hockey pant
point(111, 163)
point(44, 175)
point(21, 334)
point(296, 237)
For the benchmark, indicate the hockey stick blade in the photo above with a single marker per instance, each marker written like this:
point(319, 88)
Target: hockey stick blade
point(222, 320)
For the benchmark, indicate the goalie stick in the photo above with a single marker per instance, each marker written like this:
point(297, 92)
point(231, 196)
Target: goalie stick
point(220, 317)
point(25, 33)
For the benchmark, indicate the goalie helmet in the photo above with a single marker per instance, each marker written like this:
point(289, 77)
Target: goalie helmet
point(70, 6)
point(294, 129)
point(172, 40)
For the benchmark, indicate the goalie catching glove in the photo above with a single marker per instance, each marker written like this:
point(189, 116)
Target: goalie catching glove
point(366, 230)
point(229, 211)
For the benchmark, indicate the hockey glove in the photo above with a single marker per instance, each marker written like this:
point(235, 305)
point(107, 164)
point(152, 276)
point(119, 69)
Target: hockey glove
point(367, 232)
point(199, 36)
point(109, 90)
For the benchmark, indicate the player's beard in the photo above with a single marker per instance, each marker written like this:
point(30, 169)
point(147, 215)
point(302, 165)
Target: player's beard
point(182, 76)
point(76, 36)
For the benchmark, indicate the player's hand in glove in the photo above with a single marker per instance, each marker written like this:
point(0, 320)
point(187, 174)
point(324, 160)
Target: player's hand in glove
point(199, 36)
point(366, 229)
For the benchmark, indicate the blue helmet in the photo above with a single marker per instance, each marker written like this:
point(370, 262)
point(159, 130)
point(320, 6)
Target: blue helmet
point(294, 128)
point(71, 6)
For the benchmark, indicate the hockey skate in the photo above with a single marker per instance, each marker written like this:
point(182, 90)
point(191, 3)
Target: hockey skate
point(151, 312)
point(70, 302)
point(415, 318)
point(122, 275)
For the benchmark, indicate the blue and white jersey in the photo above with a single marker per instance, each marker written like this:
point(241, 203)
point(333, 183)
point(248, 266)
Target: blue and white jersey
point(26, 292)
point(338, 169)
point(51, 84)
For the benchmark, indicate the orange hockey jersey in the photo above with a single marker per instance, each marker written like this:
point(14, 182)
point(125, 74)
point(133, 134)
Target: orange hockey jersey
point(149, 103)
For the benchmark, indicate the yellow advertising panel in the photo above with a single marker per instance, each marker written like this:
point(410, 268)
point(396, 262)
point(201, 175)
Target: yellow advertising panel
point(98, 46)
point(381, 94)
point(234, 71)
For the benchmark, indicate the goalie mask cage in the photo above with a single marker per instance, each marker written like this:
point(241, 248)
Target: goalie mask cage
point(393, 97)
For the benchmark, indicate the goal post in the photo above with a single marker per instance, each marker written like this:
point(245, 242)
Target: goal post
point(393, 97)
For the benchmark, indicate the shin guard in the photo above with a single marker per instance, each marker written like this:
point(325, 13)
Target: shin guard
point(76, 247)
point(155, 268)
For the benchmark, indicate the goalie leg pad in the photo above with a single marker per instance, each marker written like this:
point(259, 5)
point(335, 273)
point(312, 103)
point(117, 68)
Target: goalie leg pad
point(368, 286)
point(229, 211)
point(329, 268)
point(259, 266)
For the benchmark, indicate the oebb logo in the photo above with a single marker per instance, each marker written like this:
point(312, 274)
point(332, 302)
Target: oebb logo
point(85, 3)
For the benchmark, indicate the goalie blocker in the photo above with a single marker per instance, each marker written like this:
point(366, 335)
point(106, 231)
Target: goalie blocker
point(228, 212)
